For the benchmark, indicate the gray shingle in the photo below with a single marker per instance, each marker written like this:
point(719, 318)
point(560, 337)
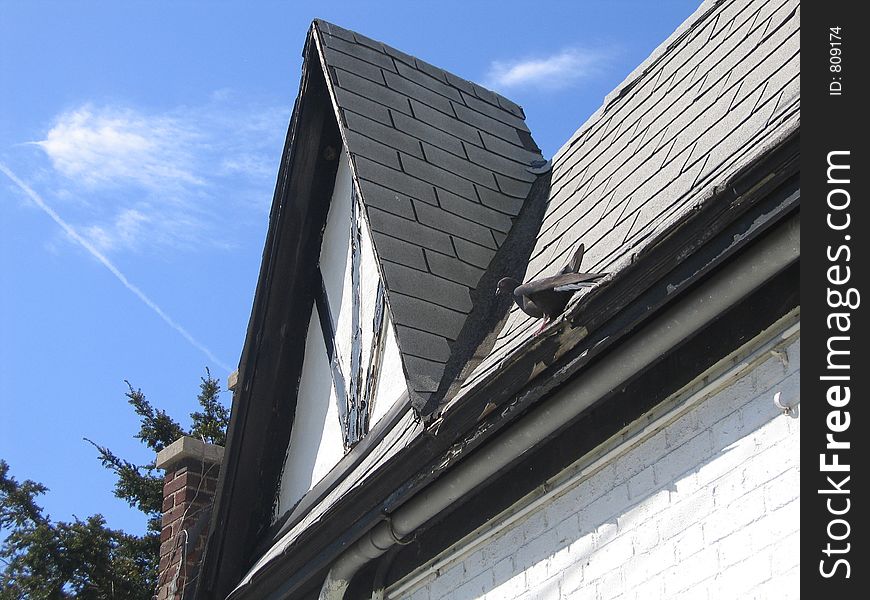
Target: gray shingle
point(410, 231)
point(474, 211)
point(458, 226)
point(422, 131)
point(422, 344)
point(425, 375)
point(481, 121)
point(407, 310)
point(437, 176)
point(460, 83)
point(356, 103)
point(494, 162)
point(422, 398)
point(371, 90)
point(499, 201)
point(415, 143)
point(335, 30)
point(360, 51)
point(367, 41)
point(354, 65)
point(361, 145)
point(485, 94)
point(512, 187)
point(427, 286)
point(397, 180)
point(436, 85)
point(511, 106)
point(399, 251)
point(453, 269)
point(706, 98)
point(512, 151)
point(403, 57)
point(418, 92)
point(431, 70)
point(386, 199)
point(495, 112)
point(473, 253)
point(459, 166)
point(444, 122)
point(384, 133)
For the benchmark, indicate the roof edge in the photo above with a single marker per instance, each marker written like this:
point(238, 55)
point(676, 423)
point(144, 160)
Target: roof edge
point(481, 92)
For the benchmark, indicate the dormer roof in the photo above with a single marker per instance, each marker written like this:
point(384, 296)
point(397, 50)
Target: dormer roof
point(443, 167)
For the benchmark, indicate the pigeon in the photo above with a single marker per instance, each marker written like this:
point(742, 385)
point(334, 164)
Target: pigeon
point(547, 297)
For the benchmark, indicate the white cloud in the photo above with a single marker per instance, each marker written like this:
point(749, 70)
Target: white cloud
point(116, 146)
point(127, 228)
point(176, 179)
point(552, 72)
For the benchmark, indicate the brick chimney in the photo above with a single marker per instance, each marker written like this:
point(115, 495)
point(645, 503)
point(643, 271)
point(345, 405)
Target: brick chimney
point(191, 468)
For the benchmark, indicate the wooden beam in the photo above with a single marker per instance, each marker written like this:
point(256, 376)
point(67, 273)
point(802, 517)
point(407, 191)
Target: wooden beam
point(356, 421)
point(327, 328)
point(379, 327)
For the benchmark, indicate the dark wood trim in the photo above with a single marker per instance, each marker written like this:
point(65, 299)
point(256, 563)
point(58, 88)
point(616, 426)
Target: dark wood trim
point(356, 422)
point(327, 328)
point(269, 370)
point(376, 353)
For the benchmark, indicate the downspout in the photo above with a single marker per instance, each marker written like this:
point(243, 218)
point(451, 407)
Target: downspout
point(763, 260)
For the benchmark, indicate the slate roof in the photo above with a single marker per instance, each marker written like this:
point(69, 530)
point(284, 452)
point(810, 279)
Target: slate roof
point(442, 168)
point(714, 96)
point(712, 99)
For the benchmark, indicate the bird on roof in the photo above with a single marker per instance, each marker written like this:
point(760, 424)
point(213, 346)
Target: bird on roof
point(547, 297)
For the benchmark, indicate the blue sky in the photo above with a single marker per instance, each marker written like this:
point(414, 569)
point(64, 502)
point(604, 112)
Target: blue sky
point(139, 143)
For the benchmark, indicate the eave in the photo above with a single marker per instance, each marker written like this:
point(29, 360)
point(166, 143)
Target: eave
point(261, 419)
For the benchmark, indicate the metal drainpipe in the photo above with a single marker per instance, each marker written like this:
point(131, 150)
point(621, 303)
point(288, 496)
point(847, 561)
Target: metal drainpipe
point(767, 257)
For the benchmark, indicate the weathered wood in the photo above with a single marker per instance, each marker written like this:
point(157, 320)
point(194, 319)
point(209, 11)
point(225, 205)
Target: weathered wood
point(376, 353)
point(270, 366)
point(356, 420)
point(327, 328)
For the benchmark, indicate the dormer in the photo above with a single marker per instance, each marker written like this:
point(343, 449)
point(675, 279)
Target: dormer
point(404, 194)
point(430, 174)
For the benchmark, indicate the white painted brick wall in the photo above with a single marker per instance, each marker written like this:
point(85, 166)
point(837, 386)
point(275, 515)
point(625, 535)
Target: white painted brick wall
point(707, 507)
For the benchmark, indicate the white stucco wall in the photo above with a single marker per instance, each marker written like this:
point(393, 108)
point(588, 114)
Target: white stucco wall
point(392, 384)
point(335, 261)
point(316, 440)
point(391, 381)
point(702, 502)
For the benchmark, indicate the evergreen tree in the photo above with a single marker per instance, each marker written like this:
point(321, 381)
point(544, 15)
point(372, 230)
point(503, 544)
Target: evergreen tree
point(46, 560)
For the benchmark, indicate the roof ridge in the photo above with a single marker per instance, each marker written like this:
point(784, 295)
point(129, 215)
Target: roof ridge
point(475, 90)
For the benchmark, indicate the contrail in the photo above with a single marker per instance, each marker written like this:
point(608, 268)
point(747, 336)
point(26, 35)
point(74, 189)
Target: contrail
point(111, 267)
